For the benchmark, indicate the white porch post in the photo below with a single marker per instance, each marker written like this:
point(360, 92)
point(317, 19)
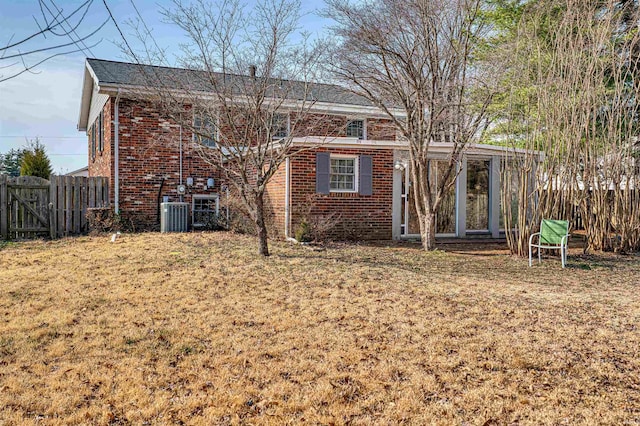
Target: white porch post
point(461, 199)
point(494, 194)
point(396, 204)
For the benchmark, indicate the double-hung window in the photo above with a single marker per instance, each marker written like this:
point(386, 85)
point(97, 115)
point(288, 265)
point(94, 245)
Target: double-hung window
point(343, 175)
point(280, 126)
point(100, 133)
point(92, 136)
point(205, 132)
point(204, 211)
point(356, 129)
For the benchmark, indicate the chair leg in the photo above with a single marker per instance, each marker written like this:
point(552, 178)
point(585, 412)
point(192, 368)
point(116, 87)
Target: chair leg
point(563, 255)
point(539, 255)
point(530, 256)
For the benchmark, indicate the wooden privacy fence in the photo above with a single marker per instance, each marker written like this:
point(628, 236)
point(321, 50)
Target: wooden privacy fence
point(33, 207)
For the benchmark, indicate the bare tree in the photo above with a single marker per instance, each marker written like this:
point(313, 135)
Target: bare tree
point(246, 91)
point(56, 35)
point(582, 114)
point(416, 55)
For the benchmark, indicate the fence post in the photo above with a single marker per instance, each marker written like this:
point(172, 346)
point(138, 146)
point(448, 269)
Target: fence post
point(68, 205)
point(53, 206)
point(4, 218)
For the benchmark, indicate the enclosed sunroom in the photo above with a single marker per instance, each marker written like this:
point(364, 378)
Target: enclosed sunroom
point(472, 205)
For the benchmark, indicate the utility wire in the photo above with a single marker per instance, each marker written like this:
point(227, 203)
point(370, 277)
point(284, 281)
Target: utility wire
point(120, 31)
point(145, 26)
point(73, 30)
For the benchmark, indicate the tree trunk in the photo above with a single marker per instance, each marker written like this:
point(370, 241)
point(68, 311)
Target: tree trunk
point(261, 227)
point(428, 231)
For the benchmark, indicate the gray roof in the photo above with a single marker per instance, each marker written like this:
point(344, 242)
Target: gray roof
point(128, 74)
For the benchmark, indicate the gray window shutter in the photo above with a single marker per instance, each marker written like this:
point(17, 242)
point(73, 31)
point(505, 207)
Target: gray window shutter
point(323, 165)
point(366, 175)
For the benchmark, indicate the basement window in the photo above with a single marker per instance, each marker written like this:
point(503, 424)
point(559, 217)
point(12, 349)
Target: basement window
point(204, 211)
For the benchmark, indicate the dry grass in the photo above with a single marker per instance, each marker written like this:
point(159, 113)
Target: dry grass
point(197, 329)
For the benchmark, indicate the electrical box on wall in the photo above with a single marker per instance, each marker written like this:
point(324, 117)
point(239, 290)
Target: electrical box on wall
point(210, 183)
point(182, 189)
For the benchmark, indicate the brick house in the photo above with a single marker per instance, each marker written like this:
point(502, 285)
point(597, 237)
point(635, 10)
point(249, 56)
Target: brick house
point(356, 177)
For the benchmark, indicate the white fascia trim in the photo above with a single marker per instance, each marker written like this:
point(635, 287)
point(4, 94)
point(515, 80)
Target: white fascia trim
point(437, 150)
point(88, 81)
point(335, 142)
point(314, 106)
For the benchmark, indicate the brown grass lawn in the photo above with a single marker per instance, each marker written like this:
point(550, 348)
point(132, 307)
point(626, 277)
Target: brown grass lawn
point(196, 329)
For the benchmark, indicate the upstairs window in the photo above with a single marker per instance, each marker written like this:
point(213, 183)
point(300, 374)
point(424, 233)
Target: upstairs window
point(100, 133)
point(355, 129)
point(92, 138)
point(280, 126)
point(205, 131)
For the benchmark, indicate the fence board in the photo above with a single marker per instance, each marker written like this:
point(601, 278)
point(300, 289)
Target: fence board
point(98, 196)
point(53, 202)
point(76, 205)
point(83, 208)
point(68, 204)
point(92, 192)
point(32, 206)
point(60, 206)
point(4, 232)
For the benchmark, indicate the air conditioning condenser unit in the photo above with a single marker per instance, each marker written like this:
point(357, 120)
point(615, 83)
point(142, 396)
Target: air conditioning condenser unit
point(174, 217)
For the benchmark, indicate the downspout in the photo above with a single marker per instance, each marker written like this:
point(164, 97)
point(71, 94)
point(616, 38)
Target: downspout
point(116, 157)
point(287, 195)
point(181, 196)
point(181, 154)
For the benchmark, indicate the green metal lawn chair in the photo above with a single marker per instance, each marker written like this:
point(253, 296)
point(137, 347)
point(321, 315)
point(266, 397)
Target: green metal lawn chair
point(554, 234)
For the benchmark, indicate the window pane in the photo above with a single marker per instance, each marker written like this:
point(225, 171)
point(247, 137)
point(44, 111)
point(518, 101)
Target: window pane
point(355, 129)
point(343, 174)
point(204, 125)
point(280, 126)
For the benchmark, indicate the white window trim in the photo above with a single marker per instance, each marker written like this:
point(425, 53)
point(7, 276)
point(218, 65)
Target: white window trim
point(356, 172)
point(288, 125)
point(194, 137)
point(203, 197)
point(364, 127)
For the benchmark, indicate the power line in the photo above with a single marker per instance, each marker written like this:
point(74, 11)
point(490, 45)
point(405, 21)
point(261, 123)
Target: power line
point(59, 10)
point(120, 31)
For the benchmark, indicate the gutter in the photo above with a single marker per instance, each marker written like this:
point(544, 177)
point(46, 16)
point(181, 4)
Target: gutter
point(116, 157)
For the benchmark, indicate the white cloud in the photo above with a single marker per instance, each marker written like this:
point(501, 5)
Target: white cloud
point(46, 104)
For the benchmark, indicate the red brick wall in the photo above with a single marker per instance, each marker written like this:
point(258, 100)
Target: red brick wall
point(150, 164)
point(149, 170)
point(379, 129)
point(102, 163)
point(356, 216)
point(336, 126)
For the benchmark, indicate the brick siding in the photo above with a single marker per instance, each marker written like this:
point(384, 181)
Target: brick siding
point(357, 217)
point(150, 163)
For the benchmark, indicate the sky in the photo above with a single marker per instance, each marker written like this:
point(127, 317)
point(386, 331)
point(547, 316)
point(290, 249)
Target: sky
point(45, 103)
